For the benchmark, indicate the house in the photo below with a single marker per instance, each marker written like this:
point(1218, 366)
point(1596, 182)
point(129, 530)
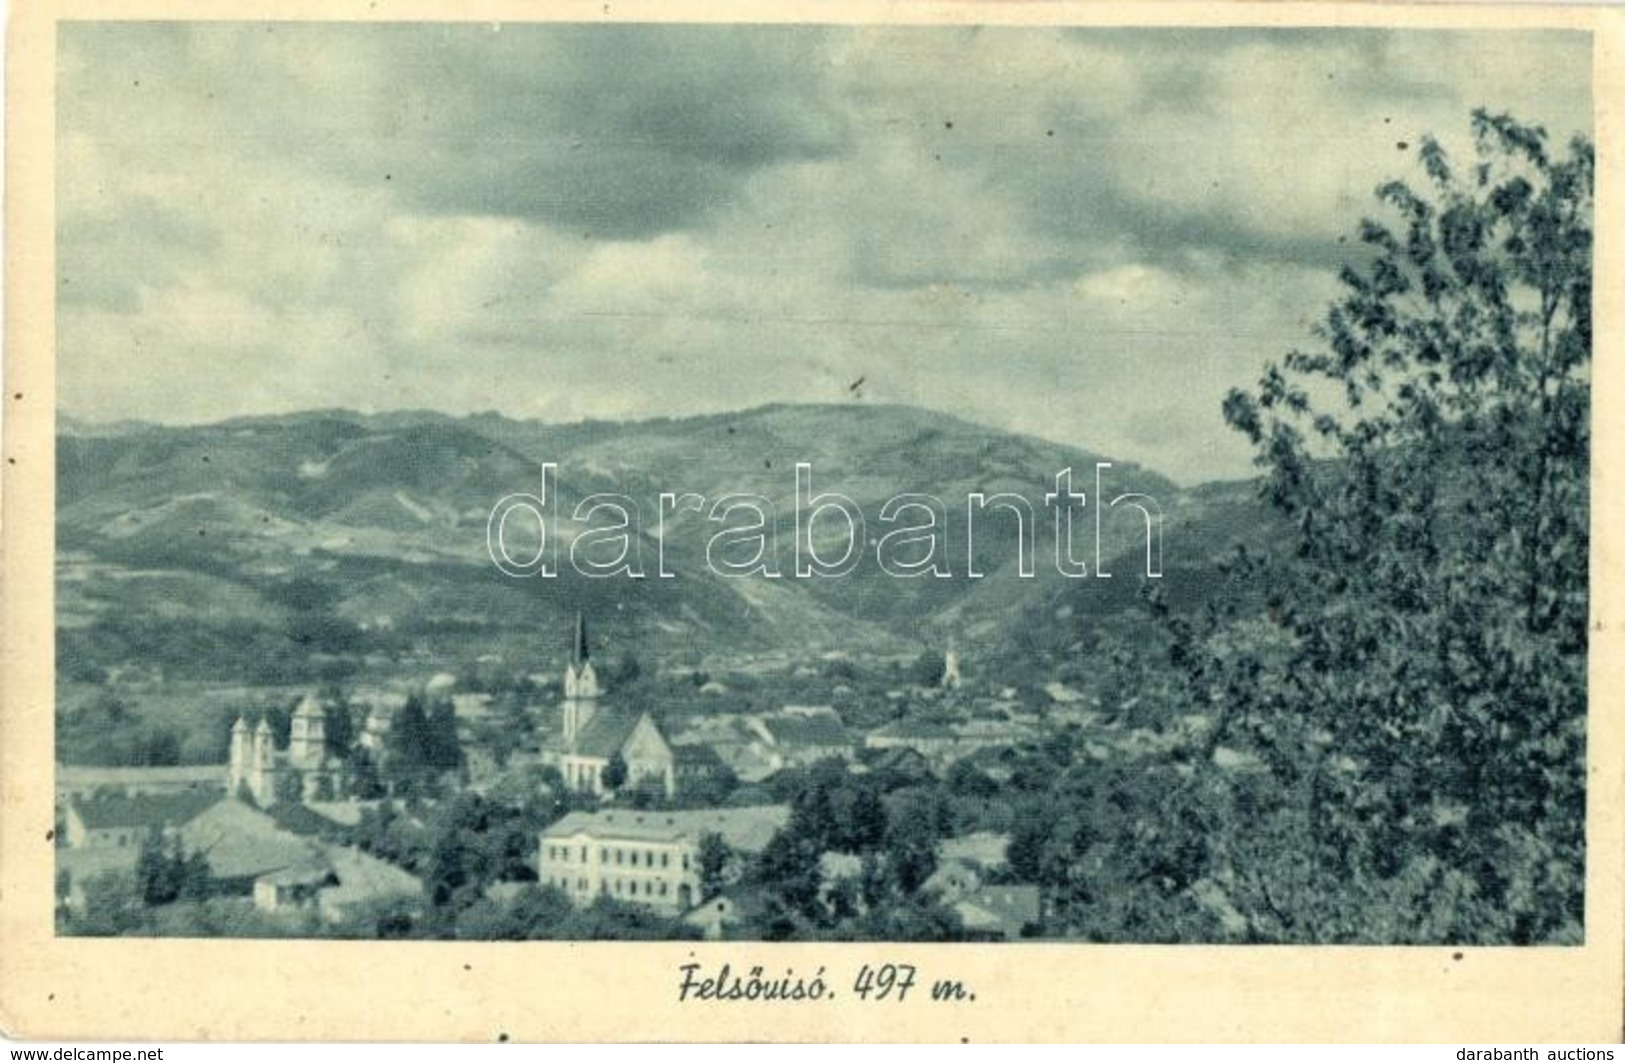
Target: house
point(986, 849)
point(798, 735)
point(120, 820)
point(979, 734)
point(954, 878)
point(930, 740)
point(359, 878)
point(649, 858)
point(1000, 913)
point(695, 766)
point(241, 843)
point(292, 888)
point(903, 762)
point(714, 916)
point(732, 741)
point(333, 882)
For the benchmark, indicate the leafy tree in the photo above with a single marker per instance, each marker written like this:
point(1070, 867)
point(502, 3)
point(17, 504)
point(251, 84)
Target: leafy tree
point(365, 783)
point(860, 814)
point(715, 857)
point(194, 876)
point(912, 834)
point(339, 733)
point(444, 751)
point(113, 906)
point(788, 870)
point(155, 871)
point(1417, 691)
point(422, 743)
point(166, 873)
point(614, 773)
point(539, 911)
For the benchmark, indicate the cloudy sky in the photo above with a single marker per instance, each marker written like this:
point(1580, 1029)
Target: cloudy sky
point(1087, 235)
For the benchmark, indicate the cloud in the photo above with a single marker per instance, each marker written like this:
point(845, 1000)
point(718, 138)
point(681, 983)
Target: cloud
point(1088, 235)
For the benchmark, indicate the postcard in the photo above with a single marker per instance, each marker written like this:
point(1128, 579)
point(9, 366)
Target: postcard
point(902, 522)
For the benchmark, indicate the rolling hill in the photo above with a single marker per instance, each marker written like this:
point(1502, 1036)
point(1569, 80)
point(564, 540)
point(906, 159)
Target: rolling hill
point(379, 521)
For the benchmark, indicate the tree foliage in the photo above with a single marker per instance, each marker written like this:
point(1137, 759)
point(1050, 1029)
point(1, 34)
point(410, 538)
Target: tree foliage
point(1417, 691)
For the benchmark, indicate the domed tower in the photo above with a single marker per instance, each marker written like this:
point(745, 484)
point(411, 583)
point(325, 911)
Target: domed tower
point(307, 736)
point(581, 688)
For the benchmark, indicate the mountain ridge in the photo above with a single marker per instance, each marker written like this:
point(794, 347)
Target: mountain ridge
point(389, 512)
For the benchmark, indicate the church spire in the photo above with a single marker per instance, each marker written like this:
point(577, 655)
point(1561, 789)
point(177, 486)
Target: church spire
point(579, 654)
point(580, 685)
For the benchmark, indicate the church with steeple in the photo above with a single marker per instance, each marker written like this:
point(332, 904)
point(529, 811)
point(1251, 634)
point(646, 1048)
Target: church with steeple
point(594, 731)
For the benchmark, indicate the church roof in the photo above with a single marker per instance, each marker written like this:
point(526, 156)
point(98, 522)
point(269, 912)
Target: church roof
point(606, 733)
point(309, 707)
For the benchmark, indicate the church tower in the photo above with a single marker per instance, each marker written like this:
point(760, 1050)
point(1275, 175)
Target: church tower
point(262, 778)
point(241, 757)
point(581, 688)
point(307, 737)
point(950, 669)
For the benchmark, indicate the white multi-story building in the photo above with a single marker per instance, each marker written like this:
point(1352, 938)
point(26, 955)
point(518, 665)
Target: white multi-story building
point(649, 858)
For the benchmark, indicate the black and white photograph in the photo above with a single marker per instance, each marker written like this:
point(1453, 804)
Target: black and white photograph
point(976, 484)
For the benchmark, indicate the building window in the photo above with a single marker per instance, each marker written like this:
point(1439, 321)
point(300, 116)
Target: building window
point(618, 854)
point(685, 861)
point(662, 889)
point(603, 856)
point(665, 859)
point(583, 854)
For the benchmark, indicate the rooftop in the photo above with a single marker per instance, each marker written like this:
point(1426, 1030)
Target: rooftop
point(86, 777)
point(1004, 909)
point(915, 729)
point(141, 810)
point(241, 841)
point(806, 727)
point(363, 877)
point(984, 847)
point(606, 732)
point(744, 829)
